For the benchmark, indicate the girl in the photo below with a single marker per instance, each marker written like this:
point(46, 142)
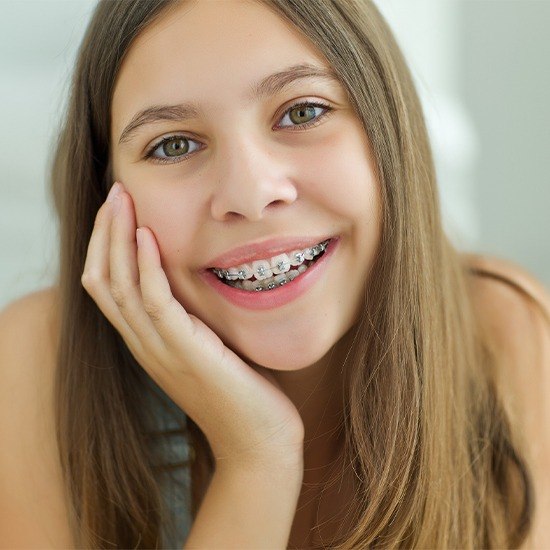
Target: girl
point(258, 313)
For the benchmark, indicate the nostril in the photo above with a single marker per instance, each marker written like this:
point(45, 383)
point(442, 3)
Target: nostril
point(278, 202)
point(234, 216)
point(250, 202)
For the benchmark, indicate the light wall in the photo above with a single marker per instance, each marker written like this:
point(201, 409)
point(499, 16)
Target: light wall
point(38, 42)
point(504, 80)
point(481, 68)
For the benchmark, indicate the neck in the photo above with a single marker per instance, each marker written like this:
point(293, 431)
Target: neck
point(328, 488)
point(318, 393)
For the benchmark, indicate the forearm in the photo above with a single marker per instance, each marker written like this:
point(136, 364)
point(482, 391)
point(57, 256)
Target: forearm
point(247, 508)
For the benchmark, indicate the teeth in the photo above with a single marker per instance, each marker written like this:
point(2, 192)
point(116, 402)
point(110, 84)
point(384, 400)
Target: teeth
point(280, 263)
point(292, 274)
point(271, 283)
point(232, 274)
point(277, 265)
point(262, 269)
point(280, 280)
point(245, 271)
point(308, 253)
point(248, 285)
point(297, 257)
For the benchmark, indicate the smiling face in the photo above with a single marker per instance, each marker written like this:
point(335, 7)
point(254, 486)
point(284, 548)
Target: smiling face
point(243, 167)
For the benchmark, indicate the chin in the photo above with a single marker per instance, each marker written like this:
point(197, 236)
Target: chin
point(282, 357)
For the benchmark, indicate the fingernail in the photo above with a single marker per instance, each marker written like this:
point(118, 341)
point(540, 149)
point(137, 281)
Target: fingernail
point(139, 236)
point(115, 190)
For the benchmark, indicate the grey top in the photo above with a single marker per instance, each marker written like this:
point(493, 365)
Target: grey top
point(176, 486)
point(177, 495)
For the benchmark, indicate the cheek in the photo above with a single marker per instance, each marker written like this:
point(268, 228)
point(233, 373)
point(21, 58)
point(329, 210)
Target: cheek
point(173, 213)
point(341, 174)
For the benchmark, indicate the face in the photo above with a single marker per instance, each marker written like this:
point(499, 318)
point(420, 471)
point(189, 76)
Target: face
point(247, 170)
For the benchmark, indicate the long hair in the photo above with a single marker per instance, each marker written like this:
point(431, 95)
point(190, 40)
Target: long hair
point(426, 435)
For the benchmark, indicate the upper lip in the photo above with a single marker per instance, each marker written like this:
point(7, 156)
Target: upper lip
point(253, 251)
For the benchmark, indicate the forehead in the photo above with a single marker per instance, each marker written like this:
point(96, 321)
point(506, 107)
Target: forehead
point(206, 50)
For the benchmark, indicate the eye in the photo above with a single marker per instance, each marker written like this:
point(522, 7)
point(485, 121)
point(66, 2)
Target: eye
point(171, 148)
point(303, 115)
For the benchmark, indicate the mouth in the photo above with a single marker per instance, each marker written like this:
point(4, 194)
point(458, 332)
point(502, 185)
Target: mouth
point(272, 273)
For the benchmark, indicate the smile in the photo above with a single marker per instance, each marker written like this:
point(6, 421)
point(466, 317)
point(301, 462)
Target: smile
point(262, 275)
point(310, 268)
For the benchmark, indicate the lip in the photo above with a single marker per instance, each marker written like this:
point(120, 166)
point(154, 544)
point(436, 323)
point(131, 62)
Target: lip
point(277, 297)
point(262, 250)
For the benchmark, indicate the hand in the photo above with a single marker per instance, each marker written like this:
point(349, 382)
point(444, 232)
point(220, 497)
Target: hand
point(242, 412)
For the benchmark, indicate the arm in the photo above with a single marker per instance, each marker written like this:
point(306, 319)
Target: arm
point(245, 415)
point(247, 508)
point(517, 310)
point(33, 510)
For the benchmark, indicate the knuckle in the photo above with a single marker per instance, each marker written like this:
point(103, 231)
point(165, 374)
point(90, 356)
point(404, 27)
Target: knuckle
point(154, 310)
point(91, 279)
point(119, 295)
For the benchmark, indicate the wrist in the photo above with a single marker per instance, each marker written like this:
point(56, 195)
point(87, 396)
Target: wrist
point(279, 468)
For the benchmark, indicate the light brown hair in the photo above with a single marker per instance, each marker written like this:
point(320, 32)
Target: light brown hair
point(426, 434)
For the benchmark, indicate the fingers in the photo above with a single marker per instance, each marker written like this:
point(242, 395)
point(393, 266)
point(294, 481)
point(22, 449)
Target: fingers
point(96, 267)
point(96, 278)
point(124, 274)
point(170, 319)
point(130, 286)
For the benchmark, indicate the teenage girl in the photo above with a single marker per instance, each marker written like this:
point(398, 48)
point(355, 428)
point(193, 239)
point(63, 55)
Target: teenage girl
point(251, 246)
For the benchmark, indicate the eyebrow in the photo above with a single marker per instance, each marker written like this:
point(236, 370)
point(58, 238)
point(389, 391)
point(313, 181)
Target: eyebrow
point(268, 86)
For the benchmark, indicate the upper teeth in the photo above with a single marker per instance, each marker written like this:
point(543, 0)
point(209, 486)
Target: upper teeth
point(264, 269)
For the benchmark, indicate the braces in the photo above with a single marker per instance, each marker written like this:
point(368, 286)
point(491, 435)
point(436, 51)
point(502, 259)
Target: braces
point(271, 285)
point(307, 254)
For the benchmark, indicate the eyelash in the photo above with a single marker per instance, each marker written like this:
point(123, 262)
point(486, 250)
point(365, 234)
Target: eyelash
point(149, 155)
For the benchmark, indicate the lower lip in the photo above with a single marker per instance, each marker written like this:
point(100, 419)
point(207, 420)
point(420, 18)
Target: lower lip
point(270, 299)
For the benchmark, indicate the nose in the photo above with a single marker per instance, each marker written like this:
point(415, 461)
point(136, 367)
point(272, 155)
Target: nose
point(251, 182)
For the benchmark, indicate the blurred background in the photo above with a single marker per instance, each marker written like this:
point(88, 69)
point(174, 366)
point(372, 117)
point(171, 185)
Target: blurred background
point(482, 69)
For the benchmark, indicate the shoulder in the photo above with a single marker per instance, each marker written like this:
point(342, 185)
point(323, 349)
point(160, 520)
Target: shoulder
point(515, 308)
point(32, 313)
point(29, 329)
point(31, 485)
point(514, 280)
point(45, 300)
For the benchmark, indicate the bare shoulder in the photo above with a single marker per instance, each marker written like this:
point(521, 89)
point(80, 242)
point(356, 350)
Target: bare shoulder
point(515, 307)
point(33, 317)
point(29, 329)
point(31, 495)
point(513, 276)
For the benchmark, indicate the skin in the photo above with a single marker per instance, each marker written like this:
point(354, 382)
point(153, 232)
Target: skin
point(248, 181)
point(248, 176)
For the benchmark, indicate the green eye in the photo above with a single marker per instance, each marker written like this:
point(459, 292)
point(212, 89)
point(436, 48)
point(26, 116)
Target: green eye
point(303, 114)
point(174, 147)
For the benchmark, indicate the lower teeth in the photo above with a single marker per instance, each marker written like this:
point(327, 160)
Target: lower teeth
point(272, 282)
